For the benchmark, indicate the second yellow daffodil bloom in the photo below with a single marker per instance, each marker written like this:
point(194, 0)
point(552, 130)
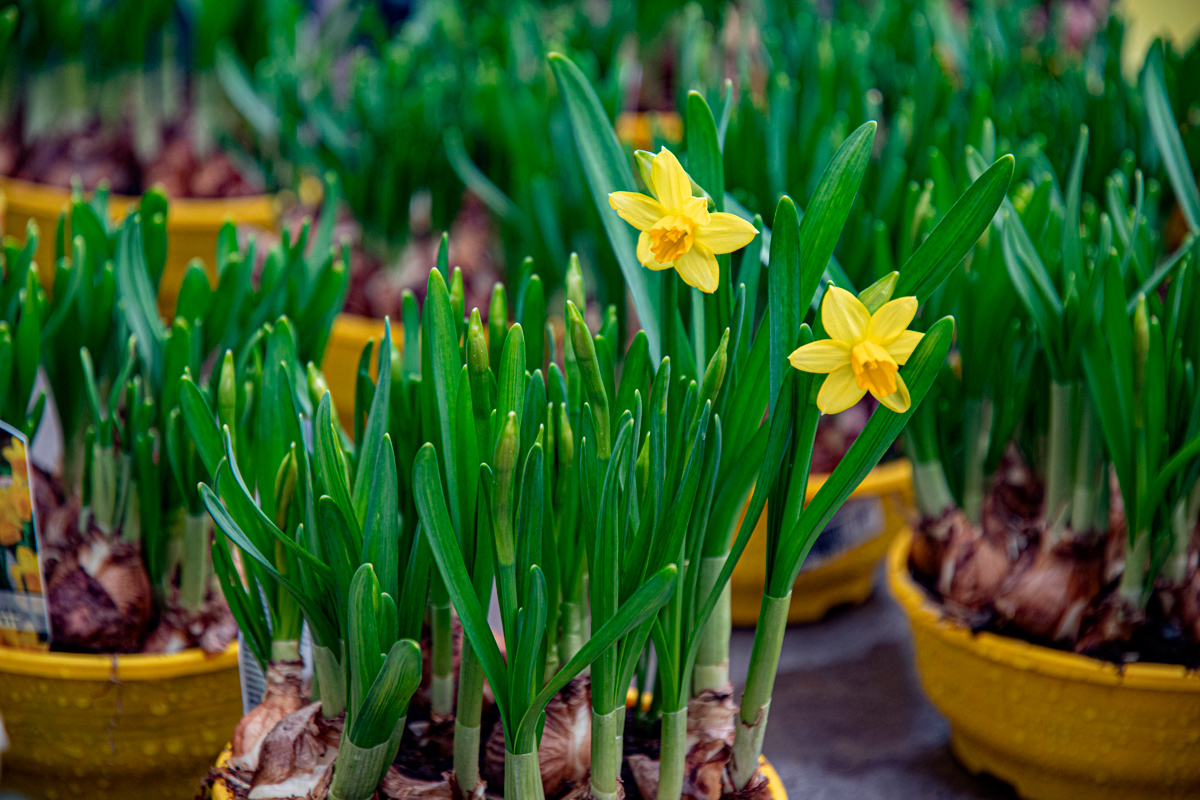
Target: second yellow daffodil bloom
point(677, 229)
point(863, 353)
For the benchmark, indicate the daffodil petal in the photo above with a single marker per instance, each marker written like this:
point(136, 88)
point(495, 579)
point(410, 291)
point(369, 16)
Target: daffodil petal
point(839, 391)
point(639, 210)
point(725, 233)
point(646, 255)
point(844, 317)
point(697, 209)
point(903, 345)
point(820, 357)
point(891, 319)
point(698, 267)
point(672, 185)
point(899, 400)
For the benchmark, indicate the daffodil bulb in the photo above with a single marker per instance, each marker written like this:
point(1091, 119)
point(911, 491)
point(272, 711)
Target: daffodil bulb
point(677, 230)
point(864, 351)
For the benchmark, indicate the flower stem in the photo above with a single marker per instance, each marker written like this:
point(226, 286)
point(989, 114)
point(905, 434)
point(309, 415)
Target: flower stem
point(712, 656)
point(442, 646)
point(574, 624)
point(1183, 518)
point(1086, 513)
point(760, 684)
point(1133, 579)
point(194, 568)
point(522, 777)
point(931, 488)
point(606, 754)
point(672, 755)
point(466, 720)
point(1059, 458)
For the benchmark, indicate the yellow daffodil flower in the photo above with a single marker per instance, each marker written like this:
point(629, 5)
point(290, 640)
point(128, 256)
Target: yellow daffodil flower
point(863, 353)
point(677, 230)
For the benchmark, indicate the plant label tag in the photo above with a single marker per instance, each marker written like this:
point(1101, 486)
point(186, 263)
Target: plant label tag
point(24, 619)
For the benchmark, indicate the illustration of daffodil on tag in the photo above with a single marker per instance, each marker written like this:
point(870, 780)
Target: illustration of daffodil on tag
point(677, 229)
point(864, 351)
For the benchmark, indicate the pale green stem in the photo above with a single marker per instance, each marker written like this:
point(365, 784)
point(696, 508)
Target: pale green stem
point(574, 622)
point(712, 655)
point(977, 422)
point(194, 571)
point(288, 621)
point(442, 646)
point(131, 528)
point(329, 681)
point(285, 650)
point(104, 488)
point(147, 137)
point(1060, 458)
point(1086, 513)
point(1183, 520)
point(552, 661)
point(466, 720)
point(760, 685)
point(672, 755)
point(1133, 579)
point(204, 111)
point(170, 90)
point(932, 491)
point(606, 754)
point(522, 777)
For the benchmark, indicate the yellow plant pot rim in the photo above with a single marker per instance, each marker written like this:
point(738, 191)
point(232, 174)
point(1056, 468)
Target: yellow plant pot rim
point(1019, 654)
point(774, 784)
point(134, 667)
point(183, 213)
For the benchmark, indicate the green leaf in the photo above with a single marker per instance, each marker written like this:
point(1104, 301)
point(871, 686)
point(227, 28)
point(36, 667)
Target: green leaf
point(956, 233)
point(323, 627)
point(431, 505)
point(381, 524)
point(786, 305)
point(607, 170)
point(1166, 136)
point(331, 465)
point(830, 206)
point(374, 435)
point(363, 636)
point(387, 700)
point(641, 606)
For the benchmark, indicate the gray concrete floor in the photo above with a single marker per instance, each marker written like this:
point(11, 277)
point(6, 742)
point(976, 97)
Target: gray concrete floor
point(848, 718)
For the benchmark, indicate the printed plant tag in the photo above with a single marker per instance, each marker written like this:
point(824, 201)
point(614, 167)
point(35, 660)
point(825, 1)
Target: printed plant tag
point(24, 622)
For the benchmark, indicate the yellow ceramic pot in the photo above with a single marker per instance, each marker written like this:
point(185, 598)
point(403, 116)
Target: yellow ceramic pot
point(192, 227)
point(876, 511)
point(221, 792)
point(1055, 725)
point(129, 727)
